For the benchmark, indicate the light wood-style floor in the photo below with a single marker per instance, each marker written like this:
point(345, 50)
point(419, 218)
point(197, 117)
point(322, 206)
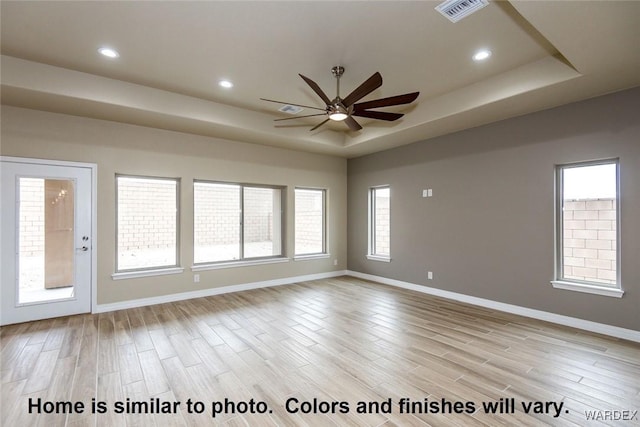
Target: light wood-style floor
point(340, 339)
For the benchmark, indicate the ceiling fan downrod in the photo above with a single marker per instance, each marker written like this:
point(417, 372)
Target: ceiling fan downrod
point(337, 72)
point(336, 111)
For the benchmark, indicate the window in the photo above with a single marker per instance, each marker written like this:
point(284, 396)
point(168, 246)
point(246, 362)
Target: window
point(234, 222)
point(379, 223)
point(310, 223)
point(147, 223)
point(587, 238)
point(216, 222)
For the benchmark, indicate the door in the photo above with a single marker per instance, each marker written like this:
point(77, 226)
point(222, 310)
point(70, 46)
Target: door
point(47, 239)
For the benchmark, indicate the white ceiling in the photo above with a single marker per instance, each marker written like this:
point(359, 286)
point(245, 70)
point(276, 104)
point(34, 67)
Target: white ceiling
point(172, 55)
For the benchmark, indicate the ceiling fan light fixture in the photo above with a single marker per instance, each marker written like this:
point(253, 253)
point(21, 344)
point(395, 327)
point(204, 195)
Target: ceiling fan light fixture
point(338, 116)
point(338, 113)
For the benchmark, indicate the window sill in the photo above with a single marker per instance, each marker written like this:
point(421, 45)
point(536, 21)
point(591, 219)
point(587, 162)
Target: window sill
point(379, 258)
point(311, 256)
point(232, 264)
point(146, 273)
point(589, 289)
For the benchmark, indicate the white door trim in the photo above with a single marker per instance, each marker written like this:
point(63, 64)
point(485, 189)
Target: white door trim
point(94, 211)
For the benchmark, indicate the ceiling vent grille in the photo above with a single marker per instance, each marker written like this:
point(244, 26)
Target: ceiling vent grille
point(290, 109)
point(455, 10)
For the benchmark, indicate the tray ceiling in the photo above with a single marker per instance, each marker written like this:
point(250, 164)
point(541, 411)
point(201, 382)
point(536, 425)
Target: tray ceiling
point(173, 54)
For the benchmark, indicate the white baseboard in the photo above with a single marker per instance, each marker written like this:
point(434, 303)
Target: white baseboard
point(103, 308)
point(600, 328)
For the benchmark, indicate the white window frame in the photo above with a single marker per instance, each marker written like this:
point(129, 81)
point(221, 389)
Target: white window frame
point(560, 282)
point(371, 220)
point(242, 260)
point(324, 253)
point(154, 270)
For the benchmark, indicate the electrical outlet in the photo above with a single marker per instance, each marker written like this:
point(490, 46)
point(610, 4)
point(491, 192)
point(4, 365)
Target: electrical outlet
point(335, 262)
point(196, 278)
point(430, 275)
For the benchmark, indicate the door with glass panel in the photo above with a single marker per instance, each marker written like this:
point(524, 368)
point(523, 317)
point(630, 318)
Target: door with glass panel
point(46, 240)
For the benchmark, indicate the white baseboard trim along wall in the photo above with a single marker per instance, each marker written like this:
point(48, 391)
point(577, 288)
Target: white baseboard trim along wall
point(103, 308)
point(587, 325)
point(600, 328)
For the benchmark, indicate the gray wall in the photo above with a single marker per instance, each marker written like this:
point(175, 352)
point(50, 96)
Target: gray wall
point(488, 230)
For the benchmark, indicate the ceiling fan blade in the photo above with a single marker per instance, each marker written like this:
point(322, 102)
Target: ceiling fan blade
point(289, 103)
point(371, 84)
point(351, 122)
point(378, 115)
point(387, 102)
point(316, 89)
point(299, 117)
point(318, 125)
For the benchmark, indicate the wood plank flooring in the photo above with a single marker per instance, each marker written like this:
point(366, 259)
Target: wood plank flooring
point(332, 343)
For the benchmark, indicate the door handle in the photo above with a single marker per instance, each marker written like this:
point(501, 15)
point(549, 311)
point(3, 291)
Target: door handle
point(83, 249)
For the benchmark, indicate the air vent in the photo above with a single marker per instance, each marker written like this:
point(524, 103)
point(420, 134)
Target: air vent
point(290, 109)
point(455, 10)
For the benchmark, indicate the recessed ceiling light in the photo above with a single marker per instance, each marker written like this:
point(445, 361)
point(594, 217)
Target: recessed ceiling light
point(225, 84)
point(108, 52)
point(481, 55)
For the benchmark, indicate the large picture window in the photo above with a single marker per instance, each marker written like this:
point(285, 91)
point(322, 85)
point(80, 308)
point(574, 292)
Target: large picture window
point(310, 222)
point(234, 222)
point(147, 223)
point(380, 223)
point(587, 212)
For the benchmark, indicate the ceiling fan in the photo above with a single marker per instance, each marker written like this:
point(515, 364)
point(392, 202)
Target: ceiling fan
point(343, 109)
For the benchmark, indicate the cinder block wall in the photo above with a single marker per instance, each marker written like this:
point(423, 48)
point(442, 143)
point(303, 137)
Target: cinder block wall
point(147, 216)
point(31, 217)
point(218, 215)
point(307, 222)
point(258, 215)
point(383, 212)
point(218, 219)
point(590, 240)
point(217, 222)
